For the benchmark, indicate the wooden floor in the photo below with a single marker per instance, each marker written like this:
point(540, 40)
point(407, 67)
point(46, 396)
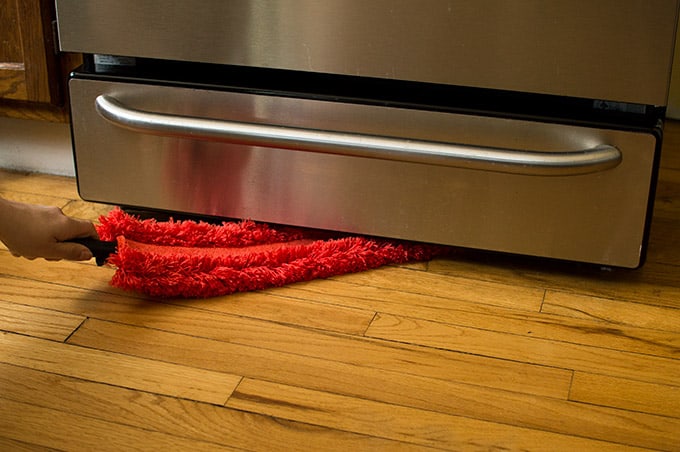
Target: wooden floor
point(480, 352)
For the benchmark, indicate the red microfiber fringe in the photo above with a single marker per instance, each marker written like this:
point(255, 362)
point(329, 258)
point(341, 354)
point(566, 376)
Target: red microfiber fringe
point(196, 259)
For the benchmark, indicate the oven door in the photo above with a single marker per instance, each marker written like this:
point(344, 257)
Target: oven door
point(605, 49)
point(530, 187)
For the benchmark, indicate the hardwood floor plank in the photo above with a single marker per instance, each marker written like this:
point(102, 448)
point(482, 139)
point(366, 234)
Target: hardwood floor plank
point(265, 305)
point(399, 423)
point(345, 349)
point(626, 394)
point(20, 446)
point(86, 210)
point(448, 287)
point(587, 331)
point(258, 305)
point(69, 431)
point(662, 276)
point(345, 293)
point(37, 322)
point(54, 296)
point(550, 382)
point(667, 200)
point(657, 285)
point(670, 153)
point(33, 198)
point(669, 176)
point(611, 312)
point(81, 275)
point(120, 370)
point(526, 349)
point(185, 419)
point(664, 244)
point(505, 407)
point(40, 184)
point(249, 361)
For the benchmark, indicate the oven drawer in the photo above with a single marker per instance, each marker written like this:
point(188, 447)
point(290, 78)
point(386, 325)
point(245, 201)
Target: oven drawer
point(527, 187)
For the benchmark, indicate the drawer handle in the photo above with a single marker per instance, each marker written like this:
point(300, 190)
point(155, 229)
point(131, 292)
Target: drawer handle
point(598, 158)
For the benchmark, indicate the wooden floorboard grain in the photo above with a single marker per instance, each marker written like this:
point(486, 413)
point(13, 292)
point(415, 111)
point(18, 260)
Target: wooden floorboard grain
point(261, 305)
point(667, 204)
point(449, 287)
point(626, 394)
point(663, 252)
point(476, 351)
point(185, 419)
point(555, 353)
point(33, 198)
point(649, 341)
point(350, 293)
point(42, 185)
point(21, 446)
point(115, 369)
point(328, 353)
point(57, 429)
point(398, 422)
point(392, 387)
point(653, 284)
point(612, 312)
point(37, 322)
point(82, 275)
point(58, 297)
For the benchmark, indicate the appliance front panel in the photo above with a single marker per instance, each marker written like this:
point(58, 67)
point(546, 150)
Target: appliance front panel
point(592, 214)
point(596, 49)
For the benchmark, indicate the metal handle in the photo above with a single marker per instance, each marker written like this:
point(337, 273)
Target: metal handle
point(598, 158)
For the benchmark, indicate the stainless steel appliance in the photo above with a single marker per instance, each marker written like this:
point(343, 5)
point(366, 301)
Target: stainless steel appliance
point(527, 127)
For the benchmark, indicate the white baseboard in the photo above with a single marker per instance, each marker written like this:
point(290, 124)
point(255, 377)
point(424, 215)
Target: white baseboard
point(36, 146)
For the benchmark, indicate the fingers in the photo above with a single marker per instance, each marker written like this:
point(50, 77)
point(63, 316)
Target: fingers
point(72, 228)
point(72, 251)
point(34, 231)
point(75, 229)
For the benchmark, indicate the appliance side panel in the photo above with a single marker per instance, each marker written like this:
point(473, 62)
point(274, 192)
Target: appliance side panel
point(598, 217)
point(604, 49)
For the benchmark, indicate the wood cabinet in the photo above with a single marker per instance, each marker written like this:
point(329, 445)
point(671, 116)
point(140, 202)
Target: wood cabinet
point(32, 71)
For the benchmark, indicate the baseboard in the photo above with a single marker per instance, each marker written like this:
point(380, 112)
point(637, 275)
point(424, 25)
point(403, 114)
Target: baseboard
point(36, 146)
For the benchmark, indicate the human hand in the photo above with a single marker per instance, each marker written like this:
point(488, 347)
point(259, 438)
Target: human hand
point(34, 231)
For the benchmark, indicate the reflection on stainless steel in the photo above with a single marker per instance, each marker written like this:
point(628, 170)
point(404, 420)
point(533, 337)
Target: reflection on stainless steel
point(604, 49)
point(598, 217)
point(424, 120)
point(598, 158)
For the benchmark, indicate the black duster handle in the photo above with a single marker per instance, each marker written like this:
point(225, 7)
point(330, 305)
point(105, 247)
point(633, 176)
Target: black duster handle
point(101, 250)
